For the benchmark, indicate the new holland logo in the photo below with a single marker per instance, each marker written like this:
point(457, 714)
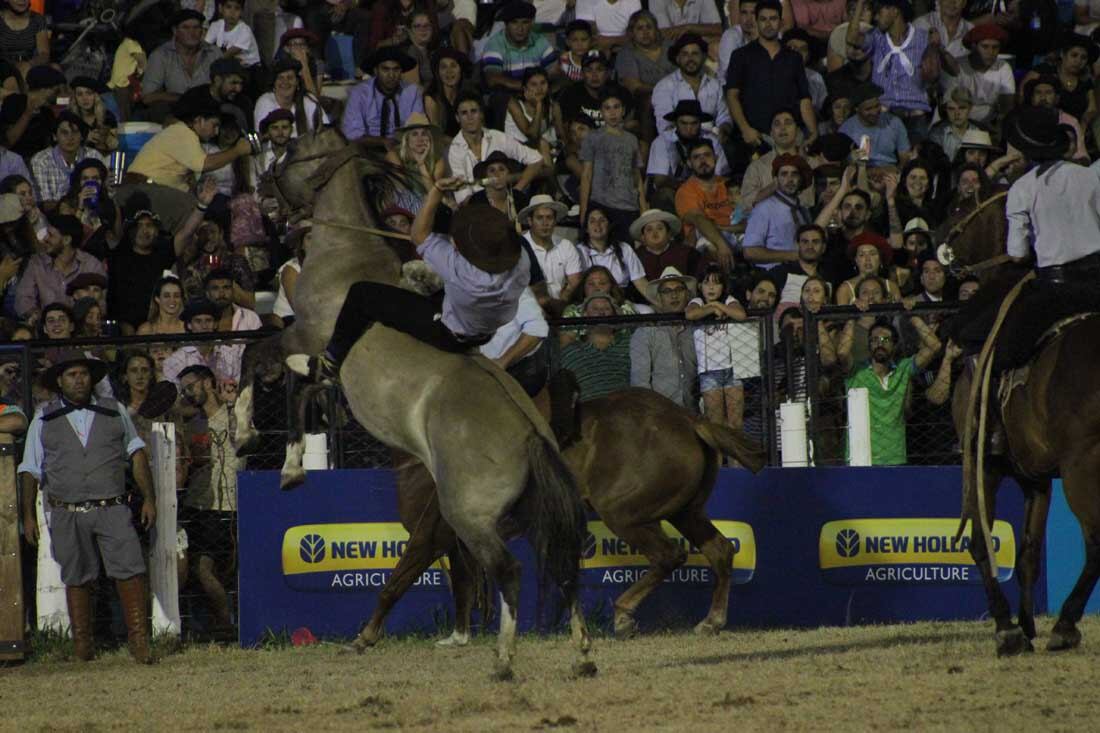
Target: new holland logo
point(907, 551)
point(847, 543)
point(312, 548)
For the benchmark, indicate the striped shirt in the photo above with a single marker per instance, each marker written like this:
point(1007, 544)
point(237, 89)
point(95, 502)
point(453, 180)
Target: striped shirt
point(599, 372)
point(897, 68)
point(16, 46)
point(501, 55)
point(51, 171)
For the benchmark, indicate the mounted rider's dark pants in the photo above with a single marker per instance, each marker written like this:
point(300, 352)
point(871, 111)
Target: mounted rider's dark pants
point(368, 303)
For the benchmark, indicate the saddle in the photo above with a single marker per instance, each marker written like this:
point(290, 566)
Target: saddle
point(1015, 378)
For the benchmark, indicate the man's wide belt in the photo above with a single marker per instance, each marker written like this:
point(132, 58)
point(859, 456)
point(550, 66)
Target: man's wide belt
point(1085, 269)
point(87, 506)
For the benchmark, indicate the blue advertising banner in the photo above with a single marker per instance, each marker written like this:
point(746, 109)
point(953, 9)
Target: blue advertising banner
point(818, 546)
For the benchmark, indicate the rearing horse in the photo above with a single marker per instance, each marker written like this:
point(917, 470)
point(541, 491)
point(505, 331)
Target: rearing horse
point(494, 459)
point(1052, 426)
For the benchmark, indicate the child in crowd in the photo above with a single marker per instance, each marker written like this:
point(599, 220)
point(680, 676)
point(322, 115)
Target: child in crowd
point(613, 166)
point(233, 36)
point(578, 42)
point(723, 395)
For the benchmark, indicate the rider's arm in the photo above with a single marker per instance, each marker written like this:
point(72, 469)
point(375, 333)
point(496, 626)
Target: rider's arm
point(422, 224)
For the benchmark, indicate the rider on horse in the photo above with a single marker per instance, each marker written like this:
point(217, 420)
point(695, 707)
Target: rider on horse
point(1053, 209)
point(484, 271)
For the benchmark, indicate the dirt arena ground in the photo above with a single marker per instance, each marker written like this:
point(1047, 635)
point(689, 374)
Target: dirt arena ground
point(932, 676)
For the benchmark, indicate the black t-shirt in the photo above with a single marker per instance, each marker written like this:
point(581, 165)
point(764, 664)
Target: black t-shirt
point(131, 278)
point(576, 100)
point(766, 85)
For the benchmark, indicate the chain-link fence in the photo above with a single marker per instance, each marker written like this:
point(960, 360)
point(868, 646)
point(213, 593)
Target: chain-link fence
point(875, 380)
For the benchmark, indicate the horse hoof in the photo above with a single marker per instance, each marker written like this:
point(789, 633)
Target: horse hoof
point(363, 643)
point(625, 627)
point(292, 479)
point(454, 640)
point(1063, 640)
point(707, 628)
point(1013, 642)
point(585, 668)
point(503, 673)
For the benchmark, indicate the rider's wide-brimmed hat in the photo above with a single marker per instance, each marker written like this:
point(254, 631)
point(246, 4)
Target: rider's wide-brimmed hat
point(1037, 133)
point(668, 274)
point(486, 238)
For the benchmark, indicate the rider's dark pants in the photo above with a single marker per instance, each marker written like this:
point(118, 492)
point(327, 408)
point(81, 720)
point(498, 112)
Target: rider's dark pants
point(368, 303)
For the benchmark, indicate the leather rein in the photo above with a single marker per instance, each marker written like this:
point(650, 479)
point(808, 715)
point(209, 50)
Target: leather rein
point(945, 251)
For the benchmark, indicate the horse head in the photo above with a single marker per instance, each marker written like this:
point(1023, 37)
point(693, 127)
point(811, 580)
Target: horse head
point(294, 177)
point(973, 235)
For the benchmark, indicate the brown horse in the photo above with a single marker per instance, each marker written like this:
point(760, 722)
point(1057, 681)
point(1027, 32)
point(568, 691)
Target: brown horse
point(1052, 427)
point(640, 459)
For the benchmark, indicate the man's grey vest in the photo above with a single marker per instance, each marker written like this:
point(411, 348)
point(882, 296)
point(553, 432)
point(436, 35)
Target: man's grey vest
point(73, 472)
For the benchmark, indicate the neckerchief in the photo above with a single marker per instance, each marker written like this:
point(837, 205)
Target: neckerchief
point(899, 52)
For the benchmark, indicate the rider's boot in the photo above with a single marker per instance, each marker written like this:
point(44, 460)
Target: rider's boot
point(322, 368)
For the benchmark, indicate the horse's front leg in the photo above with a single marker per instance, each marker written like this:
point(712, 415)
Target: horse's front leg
point(293, 474)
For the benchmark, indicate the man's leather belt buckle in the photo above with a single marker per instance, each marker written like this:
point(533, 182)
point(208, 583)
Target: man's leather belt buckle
point(87, 506)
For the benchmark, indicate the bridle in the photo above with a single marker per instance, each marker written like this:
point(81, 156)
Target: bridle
point(946, 254)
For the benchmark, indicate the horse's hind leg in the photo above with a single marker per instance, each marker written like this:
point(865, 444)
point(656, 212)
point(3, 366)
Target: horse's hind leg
point(1036, 506)
point(1079, 476)
point(464, 576)
point(718, 550)
point(664, 555)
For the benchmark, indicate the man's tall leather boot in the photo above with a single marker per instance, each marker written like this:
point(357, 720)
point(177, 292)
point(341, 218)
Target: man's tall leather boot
point(79, 600)
point(132, 594)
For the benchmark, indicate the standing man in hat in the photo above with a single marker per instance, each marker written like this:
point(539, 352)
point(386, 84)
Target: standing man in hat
point(903, 61)
point(690, 81)
point(377, 107)
point(165, 169)
point(1054, 222)
point(78, 448)
point(771, 233)
point(887, 134)
point(484, 271)
point(989, 80)
point(178, 65)
point(510, 53)
point(668, 156)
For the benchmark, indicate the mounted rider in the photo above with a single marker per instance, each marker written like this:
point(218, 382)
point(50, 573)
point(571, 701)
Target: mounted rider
point(484, 269)
point(1053, 215)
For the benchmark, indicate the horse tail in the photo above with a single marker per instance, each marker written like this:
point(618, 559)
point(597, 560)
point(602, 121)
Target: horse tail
point(565, 416)
point(732, 443)
point(557, 520)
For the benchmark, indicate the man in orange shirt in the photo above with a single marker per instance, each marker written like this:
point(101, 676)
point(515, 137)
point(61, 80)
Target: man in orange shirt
point(705, 204)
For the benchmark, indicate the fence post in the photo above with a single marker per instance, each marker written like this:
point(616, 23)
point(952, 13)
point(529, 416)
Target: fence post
point(859, 427)
point(12, 643)
point(810, 349)
point(771, 403)
point(164, 550)
point(53, 610)
point(795, 447)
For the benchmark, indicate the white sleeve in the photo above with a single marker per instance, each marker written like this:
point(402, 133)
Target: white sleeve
point(634, 267)
point(1019, 222)
point(519, 151)
point(586, 10)
point(530, 317)
point(573, 264)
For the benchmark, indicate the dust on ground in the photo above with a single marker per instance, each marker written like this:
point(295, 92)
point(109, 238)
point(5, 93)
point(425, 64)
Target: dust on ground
point(928, 676)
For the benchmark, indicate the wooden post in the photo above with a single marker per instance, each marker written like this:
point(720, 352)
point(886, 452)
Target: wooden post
point(12, 643)
point(163, 554)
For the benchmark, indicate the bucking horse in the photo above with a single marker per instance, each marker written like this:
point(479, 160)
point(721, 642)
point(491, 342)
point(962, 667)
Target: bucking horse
point(492, 456)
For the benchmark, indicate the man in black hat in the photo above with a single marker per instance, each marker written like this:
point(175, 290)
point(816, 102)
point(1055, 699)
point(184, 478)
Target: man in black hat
point(164, 170)
point(584, 98)
point(510, 53)
point(177, 65)
point(668, 157)
point(78, 448)
point(690, 81)
point(378, 107)
point(484, 269)
point(1053, 215)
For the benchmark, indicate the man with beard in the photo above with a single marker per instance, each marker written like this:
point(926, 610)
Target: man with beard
point(48, 273)
point(78, 448)
point(209, 508)
point(770, 233)
point(789, 276)
point(704, 202)
point(178, 65)
point(690, 81)
point(227, 78)
point(764, 77)
point(220, 290)
point(888, 138)
point(133, 271)
point(668, 155)
point(276, 131)
point(851, 208)
point(759, 181)
point(888, 388)
point(761, 296)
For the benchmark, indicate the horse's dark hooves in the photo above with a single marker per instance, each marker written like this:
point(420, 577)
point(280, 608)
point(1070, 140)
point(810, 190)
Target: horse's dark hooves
point(625, 627)
point(1013, 642)
point(1061, 640)
point(586, 668)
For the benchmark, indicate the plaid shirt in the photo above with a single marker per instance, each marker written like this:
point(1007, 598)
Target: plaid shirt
point(51, 172)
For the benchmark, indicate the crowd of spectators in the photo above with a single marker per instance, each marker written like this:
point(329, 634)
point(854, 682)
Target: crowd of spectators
point(677, 156)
